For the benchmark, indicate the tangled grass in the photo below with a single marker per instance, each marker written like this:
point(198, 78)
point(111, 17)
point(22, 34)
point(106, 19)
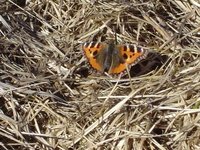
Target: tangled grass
point(51, 99)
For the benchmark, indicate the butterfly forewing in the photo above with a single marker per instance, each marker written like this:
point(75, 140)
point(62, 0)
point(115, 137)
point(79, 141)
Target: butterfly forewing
point(131, 53)
point(91, 51)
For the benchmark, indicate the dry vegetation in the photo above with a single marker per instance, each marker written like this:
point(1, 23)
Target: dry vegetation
point(52, 99)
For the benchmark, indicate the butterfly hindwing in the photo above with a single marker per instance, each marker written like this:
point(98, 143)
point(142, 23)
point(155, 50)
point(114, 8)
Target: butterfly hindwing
point(129, 55)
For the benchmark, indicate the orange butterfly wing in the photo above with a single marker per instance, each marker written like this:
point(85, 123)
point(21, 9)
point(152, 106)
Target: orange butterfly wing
point(91, 51)
point(130, 54)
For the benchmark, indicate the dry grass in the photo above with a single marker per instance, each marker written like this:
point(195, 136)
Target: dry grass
point(50, 100)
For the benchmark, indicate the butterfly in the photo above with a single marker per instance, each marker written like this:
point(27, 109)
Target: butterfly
point(112, 58)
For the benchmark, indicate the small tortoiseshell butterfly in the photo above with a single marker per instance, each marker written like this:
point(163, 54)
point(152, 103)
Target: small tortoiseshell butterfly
point(112, 58)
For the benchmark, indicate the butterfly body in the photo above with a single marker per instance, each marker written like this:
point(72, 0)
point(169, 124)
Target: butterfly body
point(112, 58)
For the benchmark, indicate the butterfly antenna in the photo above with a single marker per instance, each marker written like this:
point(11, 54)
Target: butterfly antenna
point(115, 37)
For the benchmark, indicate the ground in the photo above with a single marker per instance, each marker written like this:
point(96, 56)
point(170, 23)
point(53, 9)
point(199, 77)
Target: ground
point(51, 98)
